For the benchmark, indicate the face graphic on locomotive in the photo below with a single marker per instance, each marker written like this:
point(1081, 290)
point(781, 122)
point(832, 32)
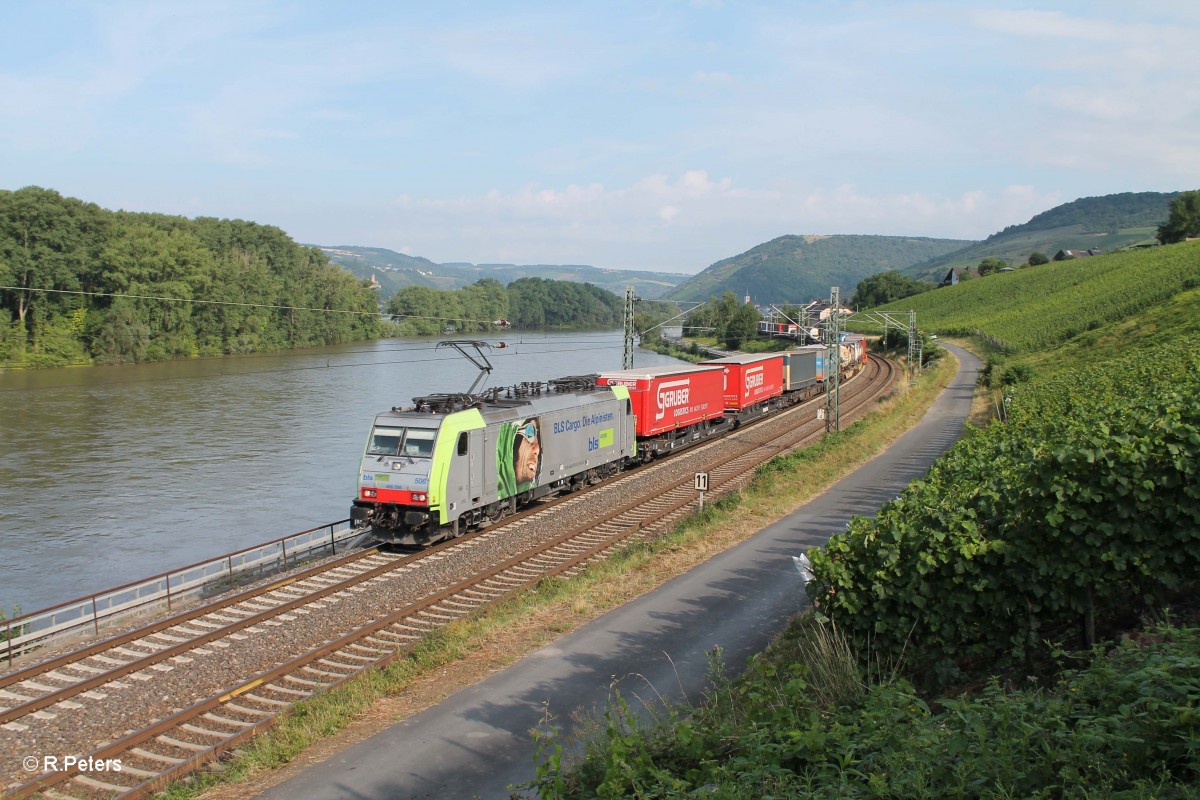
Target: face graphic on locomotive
point(519, 455)
point(528, 452)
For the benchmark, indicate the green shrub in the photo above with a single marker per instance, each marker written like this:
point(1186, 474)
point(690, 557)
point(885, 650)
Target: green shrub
point(1126, 725)
point(1087, 496)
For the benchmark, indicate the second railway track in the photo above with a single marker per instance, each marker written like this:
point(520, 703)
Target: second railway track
point(242, 668)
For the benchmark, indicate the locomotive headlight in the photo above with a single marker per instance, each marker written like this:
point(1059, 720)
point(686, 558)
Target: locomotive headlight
point(420, 497)
point(368, 493)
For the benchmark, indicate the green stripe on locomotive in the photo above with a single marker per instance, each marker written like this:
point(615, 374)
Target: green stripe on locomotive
point(439, 470)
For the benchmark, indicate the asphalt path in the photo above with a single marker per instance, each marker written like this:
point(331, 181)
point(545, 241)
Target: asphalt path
point(477, 742)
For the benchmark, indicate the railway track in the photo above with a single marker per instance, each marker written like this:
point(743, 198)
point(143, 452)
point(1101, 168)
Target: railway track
point(172, 740)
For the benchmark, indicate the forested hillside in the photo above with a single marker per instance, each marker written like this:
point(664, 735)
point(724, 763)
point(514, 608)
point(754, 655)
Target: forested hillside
point(395, 271)
point(1107, 213)
point(796, 269)
point(524, 303)
point(80, 284)
point(1107, 223)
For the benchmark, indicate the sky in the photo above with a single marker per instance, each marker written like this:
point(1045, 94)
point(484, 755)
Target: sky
point(626, 135)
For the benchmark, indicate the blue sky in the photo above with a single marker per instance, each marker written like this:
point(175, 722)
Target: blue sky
point(640, 135)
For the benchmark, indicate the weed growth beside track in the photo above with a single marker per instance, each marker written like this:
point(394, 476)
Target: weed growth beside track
point(560, 606)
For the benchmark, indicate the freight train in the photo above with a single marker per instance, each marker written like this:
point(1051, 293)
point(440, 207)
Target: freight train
point(456, 462)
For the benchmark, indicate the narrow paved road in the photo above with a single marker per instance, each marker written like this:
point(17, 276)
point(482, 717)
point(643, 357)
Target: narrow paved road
point(477, 742)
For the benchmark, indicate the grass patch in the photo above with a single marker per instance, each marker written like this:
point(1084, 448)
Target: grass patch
point(503, 633)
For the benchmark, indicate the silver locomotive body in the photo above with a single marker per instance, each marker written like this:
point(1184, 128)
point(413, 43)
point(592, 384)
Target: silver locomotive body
point(436, 470)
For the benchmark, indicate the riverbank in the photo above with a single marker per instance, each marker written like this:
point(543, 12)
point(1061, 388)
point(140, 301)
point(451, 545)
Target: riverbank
point(153, 466)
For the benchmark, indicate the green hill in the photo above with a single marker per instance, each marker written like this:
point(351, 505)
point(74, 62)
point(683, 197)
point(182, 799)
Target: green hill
point(1108, 223)
point(1040, 307)
point(796, 269)
point(395, 271)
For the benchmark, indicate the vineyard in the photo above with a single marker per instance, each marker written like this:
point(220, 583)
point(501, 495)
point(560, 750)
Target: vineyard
point(1020, 623)
point(1044, 306)
point(1084, 506)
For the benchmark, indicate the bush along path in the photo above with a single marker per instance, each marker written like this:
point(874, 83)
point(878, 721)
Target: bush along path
point(948, 653)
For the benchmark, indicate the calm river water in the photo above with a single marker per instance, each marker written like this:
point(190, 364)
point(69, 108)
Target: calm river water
point(110, 474)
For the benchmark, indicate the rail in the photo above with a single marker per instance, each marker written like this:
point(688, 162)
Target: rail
point(22, 634)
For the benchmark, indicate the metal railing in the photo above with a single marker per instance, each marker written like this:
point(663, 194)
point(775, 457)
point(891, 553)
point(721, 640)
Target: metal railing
point(21, 634)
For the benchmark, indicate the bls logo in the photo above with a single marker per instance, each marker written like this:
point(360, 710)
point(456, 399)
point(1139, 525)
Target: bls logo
point(593, 444)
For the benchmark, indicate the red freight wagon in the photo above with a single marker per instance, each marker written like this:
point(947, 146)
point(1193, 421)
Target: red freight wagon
point(750, 378)
point(667, 398)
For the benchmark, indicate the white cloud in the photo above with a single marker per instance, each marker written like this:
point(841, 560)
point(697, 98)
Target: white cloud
point(1048, 25)
point(1086, 103)
point(668, 136)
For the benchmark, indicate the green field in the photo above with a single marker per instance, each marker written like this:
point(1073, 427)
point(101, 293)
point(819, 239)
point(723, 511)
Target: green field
point(1042, 307)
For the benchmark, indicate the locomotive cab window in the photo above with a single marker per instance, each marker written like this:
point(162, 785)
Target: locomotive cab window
point(462, 443)
point(414, 442)
point(385, 441)
point(418, 442)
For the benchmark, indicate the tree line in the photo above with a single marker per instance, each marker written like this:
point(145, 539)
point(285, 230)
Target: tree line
point(725, 319)
point(524, 303)
point(80, 285)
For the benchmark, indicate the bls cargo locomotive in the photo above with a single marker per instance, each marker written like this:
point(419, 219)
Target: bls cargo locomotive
point(453, 462)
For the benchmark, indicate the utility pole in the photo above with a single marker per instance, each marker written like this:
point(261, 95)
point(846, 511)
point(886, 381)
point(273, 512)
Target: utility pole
point(627, 357)
point(833, 370)
point(912, 344)
point(889, 321)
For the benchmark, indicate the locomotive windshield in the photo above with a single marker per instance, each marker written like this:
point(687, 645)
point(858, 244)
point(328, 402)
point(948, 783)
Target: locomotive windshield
point(415, 442)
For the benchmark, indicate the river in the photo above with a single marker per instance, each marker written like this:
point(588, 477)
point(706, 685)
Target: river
point(110, 474)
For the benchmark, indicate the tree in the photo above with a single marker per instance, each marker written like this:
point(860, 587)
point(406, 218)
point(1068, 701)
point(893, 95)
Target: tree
point(885, 287)
point(540, 302)
point(47, 245)
point(701, 320)
point(143, 260)
point(1183, 221)
point(423, 311)
point(742, 325)
point(1037, 259)
point(989, 265)
point(727, 320)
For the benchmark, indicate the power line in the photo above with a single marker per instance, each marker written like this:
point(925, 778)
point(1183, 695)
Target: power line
point(307, 369)
point(395, 317)
point(522, 340)
point(235, 303)
point(183, 300)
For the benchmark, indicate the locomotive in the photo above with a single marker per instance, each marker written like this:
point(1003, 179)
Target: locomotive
point(455, 462)
point(451, 463)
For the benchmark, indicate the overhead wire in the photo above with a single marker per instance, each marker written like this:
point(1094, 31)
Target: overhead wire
point(524, 338)
point(327, 365)
point(238, 304)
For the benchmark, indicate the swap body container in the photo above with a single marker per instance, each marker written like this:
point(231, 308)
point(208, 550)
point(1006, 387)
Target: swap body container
point(859, 343)
point(803, 367)
point(668, 398)
point(750, 378)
